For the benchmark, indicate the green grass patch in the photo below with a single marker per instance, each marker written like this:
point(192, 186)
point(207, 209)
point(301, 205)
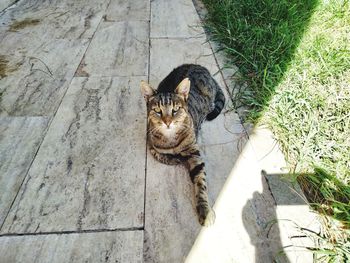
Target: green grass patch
point(260, 37)
point(294, 57)
point(327, 194)
point(330, 197)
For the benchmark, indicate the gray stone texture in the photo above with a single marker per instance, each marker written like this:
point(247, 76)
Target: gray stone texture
point(118, 49)
point(55, 19)
point(124, 246)
point(20, 138)
point(89, 172)
point(174, 19)
point(5, 4)
point(120, 10)
point(38, 73)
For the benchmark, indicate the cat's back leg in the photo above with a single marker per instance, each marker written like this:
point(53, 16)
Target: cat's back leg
point(209, 89)
point(219, 103)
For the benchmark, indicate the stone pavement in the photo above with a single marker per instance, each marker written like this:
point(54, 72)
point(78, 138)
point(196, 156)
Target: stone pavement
point(77, 183)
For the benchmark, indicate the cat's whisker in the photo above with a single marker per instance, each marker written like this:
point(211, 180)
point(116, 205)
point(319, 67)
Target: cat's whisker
point(154, 129)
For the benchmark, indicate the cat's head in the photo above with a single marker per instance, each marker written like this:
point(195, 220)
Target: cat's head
point(167, 112)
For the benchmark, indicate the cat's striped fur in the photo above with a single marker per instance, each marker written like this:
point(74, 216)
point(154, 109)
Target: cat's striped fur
point(184, 99)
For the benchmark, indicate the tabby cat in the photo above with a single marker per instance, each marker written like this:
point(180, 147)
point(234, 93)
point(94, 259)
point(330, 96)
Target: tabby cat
point(184, 99)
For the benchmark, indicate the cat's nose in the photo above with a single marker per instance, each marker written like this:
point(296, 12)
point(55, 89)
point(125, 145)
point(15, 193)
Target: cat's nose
point(167, 122)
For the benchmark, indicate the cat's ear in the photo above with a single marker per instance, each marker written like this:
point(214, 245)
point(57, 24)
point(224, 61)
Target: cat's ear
point(183, 88)
point(146, 89)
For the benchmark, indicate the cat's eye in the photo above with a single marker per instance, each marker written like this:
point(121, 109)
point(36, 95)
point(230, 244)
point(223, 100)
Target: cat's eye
point(175, 111)
point(158, 111)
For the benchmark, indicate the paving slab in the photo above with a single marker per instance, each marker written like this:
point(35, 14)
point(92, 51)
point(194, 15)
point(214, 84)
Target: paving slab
point(163, 58)
point(118, 49)
point(120, 10)
point(174, 19)
point(89, 172)
point(124, 246)
point(20, 138)
point(67, 19)
point(171, 224)
point(6, 3)
point(30, 5)
point(37, 73)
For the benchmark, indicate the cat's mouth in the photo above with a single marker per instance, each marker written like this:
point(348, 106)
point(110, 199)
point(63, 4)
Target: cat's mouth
point(168, 131)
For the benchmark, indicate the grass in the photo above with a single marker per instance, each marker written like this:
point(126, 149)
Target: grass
point(329, 196)
point(294, 57)
point(260, 37)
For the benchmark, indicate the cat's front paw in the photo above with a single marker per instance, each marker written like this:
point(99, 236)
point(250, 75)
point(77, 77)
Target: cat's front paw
point(153, 152)
point(206, 215)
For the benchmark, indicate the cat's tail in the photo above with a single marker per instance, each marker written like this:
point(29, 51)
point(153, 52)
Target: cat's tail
point(219, 105)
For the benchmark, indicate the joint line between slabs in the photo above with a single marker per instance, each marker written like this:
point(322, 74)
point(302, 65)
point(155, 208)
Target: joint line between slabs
point(177, 38)
point(73, 232)
point(146, 142)
point(148, 78)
